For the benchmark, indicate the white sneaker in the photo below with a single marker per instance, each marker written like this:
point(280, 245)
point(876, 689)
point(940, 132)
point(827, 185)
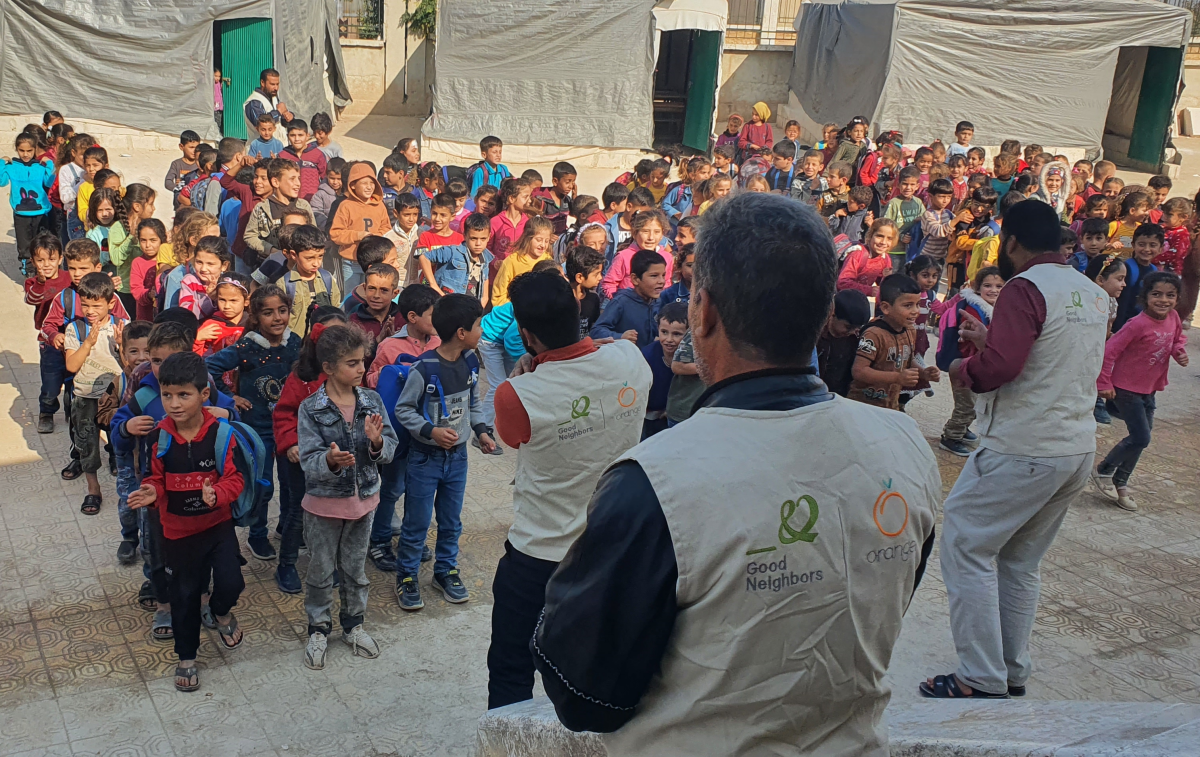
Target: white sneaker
point(1104, 484)
point(314, 652)
point(361, 643)
point(1125, 502)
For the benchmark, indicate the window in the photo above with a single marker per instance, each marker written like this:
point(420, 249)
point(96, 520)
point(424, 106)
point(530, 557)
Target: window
point(360, 19)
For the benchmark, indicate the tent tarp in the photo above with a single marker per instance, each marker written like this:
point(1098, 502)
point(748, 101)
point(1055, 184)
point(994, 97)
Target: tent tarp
point(149, 65)
point(1010, 66)
point(705, 15)
point(544, 72)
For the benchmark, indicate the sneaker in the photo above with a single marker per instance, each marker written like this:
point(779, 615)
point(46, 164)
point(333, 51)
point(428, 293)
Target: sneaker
point(497, 451)
point(452, 587)
point(361, 643)
point(426, 554)
point(409, 594)
point(970, 437)
point(1125, 502)
point(1101, 413)
point(314, 651)
point(261, 547)
point(45, 423)
point(126, 553)
point(288, 580)
point(1104, 484)
point(955, 447)
point(382, 557)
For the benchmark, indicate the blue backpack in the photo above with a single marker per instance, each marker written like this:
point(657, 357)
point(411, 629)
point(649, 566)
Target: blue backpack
point(391, 383)
point(249, 456)
point(916, 240)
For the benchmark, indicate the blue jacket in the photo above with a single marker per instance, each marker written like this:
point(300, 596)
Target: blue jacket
point(29, 183)
point(612, 227)
point(627, 310)
point(262, 369)
point(126, 443)
point(677, 292)
point(453, 267)
point(677, 202)
point(425, 200)
point(481, 173)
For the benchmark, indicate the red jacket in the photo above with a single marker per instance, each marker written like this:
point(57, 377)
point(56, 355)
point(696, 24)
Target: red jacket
point(228, 487)
point(863, 272)
point(312, 168)
point(284, 417)
point(40, 295)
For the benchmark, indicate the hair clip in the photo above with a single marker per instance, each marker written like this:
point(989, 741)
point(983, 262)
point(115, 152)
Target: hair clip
point(234, 282)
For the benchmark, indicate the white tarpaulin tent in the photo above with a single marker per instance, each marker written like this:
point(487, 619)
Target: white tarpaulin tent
point(1032, 70)
point(554, 80)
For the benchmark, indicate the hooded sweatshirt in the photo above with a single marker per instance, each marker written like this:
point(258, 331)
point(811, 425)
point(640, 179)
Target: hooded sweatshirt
point(355, 219)
point(1056, 200)
point(627, 310)
point(28, 196)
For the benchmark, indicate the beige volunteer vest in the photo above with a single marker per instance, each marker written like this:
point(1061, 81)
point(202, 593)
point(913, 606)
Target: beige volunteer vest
point(268, 106)
point(1046, 411)
point(583, 415)
point(797, 536)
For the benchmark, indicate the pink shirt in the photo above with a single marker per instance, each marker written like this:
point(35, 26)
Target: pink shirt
point(345, 508)
point(619, 276)
point(1136, 358)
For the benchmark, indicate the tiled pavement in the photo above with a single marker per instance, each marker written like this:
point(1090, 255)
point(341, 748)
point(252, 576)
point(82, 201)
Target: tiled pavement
point(79, 675)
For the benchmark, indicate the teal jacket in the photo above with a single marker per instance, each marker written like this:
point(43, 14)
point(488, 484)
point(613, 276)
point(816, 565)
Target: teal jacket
point(29, 184)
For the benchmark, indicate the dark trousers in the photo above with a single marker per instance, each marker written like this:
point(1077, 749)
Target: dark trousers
point(293, 518)
point(86, 432)
point(520, 594)
point(391, 487)
point(26, 228)
point(53, 367)
point(189, 561)
point(153, 566)
point(1137, 410)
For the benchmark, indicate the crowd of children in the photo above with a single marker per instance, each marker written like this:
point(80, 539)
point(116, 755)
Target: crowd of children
point(269, 333)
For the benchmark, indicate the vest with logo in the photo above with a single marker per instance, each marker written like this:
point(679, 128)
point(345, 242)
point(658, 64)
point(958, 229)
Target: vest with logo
point(797, 535)
point(268, 106)
point(1046, 411)
point(583, 414)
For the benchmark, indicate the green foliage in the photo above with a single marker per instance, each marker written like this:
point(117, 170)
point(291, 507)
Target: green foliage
point(422, 20)
point(370, 23)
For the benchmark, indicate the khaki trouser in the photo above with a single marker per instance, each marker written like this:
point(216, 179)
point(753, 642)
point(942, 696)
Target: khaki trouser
point(963, 415)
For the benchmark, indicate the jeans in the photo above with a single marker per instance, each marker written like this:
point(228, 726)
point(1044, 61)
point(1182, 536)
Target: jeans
point(435, 483)
point(191, 560)
point(497, 364)
point(1137, 410)
point(293, 518)
point(390, 488)
point(258, 519)
point(351, 277)
point(520, 590)
point(126, 483)
point(53, 367)
point(75, 228)
point(333, 544)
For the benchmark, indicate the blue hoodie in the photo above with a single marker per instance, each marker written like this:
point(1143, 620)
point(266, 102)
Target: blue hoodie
point(627, 310)
point(262, 369)
point(29, 184)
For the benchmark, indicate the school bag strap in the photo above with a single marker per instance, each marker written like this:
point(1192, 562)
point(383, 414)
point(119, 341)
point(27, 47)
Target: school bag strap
point(143, 397)
point(164, 442)
point(326, 279)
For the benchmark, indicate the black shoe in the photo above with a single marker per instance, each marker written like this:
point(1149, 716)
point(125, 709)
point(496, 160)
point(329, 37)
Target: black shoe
point(452, 587)
point(73, 471)
point(382, 557)
point(409, 594)
point(955, 447)
point(261, 548)
point(45, 423)
point(126, 553)
point(288, 580)
point(426, 554)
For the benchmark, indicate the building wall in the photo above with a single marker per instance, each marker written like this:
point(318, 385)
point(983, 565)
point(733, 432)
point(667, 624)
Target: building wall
point(750, 76)
point(377, 74)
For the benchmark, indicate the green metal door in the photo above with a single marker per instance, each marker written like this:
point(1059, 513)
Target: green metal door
point(702, 90)
point(246, 50)
point(1160, 85)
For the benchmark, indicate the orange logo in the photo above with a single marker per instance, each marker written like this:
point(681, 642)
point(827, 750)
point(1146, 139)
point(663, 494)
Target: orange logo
point(880, 503)
point(627, 396)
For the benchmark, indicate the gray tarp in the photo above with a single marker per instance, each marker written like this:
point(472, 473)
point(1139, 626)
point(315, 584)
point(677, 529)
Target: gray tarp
point(148, 63)
point(1031, 70)
point(544, 72)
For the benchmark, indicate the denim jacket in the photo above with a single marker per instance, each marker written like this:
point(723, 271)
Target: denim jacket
point(321, 424)
point(454, 267)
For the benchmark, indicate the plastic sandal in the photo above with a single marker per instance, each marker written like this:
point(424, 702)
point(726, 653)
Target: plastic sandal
point(189, 673)
point(160, 628)
point(227, 631)
point(206, 617)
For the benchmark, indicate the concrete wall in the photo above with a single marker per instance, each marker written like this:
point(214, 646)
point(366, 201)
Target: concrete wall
point(376, 73)
point(751, 76)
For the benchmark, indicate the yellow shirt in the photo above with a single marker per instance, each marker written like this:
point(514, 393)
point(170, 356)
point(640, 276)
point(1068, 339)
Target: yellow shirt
point(166, 255)
point(1123, 232)
point(512, 267)
point(658, 192)
point(82, 199)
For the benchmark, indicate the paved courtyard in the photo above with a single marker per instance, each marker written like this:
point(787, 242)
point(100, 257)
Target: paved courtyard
point(79, 674)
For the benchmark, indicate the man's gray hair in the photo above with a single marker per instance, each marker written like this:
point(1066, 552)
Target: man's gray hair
point(768, 264)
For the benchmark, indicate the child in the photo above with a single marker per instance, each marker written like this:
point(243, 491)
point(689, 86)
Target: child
point(362, 213)
point(1109, 272)
point(198, 287)
point(1147, 245)
point(884, 364)
point(905, 209)
point(852, 141)
point(489, 170)
point(439, 424)
point(266, 145)
point(228, 321)
point(322, 127)
point(299, 386)
point(1135, 209)
point(853, 219)
point(91, 351)
point(712, 189)
point(838, 342)
point(837, 189)
point(757, 134)
point(963, 133)
point(672, 325)
point(620, 226)
point(486, 200)
point(1093, 237)
point(263, 358)
point(267, 216)
point(1071, 251)
point(463, 268)
point(866, 265)
point(1135, 369)
point(404, 235)
point(1112, 190)
point(309, 157)
point(440, 235)
point(327, 194)
point(1177, 243)
point(306, 283)
point(783, 168)
point(648, 228)
point(135, 351)
point(938, 222)
point(1159, 186)
point(584, 268)
point(189, 144)
point(48, 279)
point(394, 176)
point(1101, 173)
point(71, 175)
point(722, 160)
point(678, 201)
point(791, 132)
point(556, 199)
point(629, 313)
point(927, 272)
point(509, 223)
point(372, 251)
point(120, 232)
point(686, 233)
point(429, 180)
point(729, 137)
point(977, 301)
point(532, 246)
point(1006, 172)
point(375, 314)
point(808, 185)
point(197, 181)
point(680, 291)
point(30, 178)
point(457, 188)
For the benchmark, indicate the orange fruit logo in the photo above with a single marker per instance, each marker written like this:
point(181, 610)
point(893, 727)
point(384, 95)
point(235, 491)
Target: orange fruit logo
point(627, 396)
point(880, 503)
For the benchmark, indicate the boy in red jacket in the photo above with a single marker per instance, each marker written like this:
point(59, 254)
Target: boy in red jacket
point(307, 155)
point(193, 499)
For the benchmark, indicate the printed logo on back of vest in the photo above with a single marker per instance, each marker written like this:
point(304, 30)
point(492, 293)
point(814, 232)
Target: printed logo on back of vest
point(891, 521)
point(582, 421)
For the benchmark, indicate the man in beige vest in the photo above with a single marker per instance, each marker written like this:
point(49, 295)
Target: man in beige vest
point(576, 410)
point(1034, 377)
point(742, 578)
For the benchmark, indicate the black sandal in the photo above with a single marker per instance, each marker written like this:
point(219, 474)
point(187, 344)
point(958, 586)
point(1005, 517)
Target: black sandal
point(946, 687)
point(91, 504)
point(189, 673)
point(226, 632)
point(145, 598)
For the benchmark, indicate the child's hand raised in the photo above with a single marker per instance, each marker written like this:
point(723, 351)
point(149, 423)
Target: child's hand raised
point(140, 425)
point(337, 459)
point(373, 426)
point(208, 493)
point(143, 497)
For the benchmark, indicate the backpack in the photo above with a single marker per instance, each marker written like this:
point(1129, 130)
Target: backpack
point(393, 377)
point(200, 193)
point(249, 457)
point(450, 173)
point(842, 247)
point(916, 240)
point(326, 279)
point(482, 166)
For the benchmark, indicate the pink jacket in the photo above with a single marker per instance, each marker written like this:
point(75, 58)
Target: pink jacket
point(619, 277)
point(393, 347)
point(863, 272)
point(1136, 357)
